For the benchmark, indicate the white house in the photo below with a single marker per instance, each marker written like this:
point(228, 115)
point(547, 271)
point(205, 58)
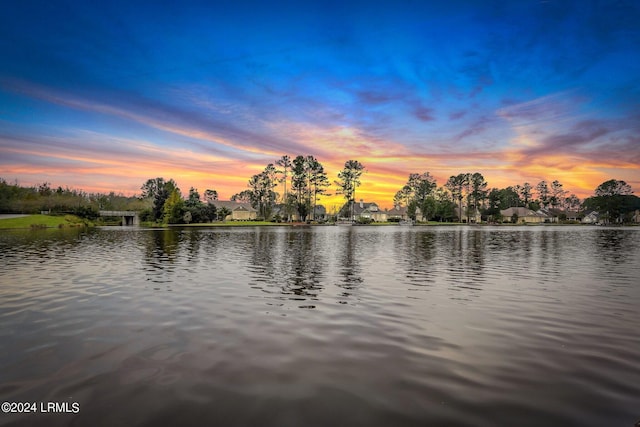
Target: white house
point(592, 217)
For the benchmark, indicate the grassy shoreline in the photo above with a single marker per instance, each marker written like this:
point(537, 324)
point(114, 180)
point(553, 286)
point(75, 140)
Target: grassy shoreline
point(43, 221)
point(55, 221)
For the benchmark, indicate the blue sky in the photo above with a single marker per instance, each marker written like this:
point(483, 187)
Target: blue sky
point(104, 96)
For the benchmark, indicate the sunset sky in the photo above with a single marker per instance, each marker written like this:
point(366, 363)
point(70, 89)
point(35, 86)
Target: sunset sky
point(102, 96)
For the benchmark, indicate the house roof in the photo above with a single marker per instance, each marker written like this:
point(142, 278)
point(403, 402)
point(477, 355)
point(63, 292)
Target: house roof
point(360, 207)
point(521, 212)
point(233, 206)
point(399, 210)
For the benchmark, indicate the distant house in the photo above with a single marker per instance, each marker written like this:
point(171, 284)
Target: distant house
point(279, 210)
point(550, 215)
point(369, 211)
point(636, 216)
point(525, 215)
point(572, 215)
point(239, 211)
point(319, 213)
point(473, 215)
point(397, 213)
point(592, 217)
point(364, 210)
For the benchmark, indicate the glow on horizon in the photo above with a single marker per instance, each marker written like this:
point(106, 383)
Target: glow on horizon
point(189, 94)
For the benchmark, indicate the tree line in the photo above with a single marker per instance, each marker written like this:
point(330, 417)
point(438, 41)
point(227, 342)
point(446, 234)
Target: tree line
point(304, 180)
point(467, 194)
point(15, 198)
point(170, 207)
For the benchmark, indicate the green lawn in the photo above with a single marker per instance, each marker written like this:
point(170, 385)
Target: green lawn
point(41, 221)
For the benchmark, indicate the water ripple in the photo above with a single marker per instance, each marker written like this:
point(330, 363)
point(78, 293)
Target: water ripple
point(383, 326)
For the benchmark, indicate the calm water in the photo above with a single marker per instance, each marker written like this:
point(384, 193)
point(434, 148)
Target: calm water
point(325, 326)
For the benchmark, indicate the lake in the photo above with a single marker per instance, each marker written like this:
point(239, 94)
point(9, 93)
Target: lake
point(322, 326)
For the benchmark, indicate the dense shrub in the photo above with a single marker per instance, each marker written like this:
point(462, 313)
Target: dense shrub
point(146, 215)
point(86, 212)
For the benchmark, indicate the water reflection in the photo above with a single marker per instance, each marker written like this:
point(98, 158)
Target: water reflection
point(614, 251)
point(288, 263)
point(348, 253)
point(266, 255)
point(305, 266)
point(416, 253)
point(613, 244)
point(42, 243)
point(193, 244)
point(465, 259)
point(161, 252)
point(374, 326)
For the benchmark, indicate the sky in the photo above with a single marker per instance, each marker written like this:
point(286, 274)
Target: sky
point(101, 96)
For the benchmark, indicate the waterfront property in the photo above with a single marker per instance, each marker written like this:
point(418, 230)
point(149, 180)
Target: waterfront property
point(591, 218)
point(524, 215)
point(397, 213)
point(238, 211)
point(468, 213)
point(370, 211)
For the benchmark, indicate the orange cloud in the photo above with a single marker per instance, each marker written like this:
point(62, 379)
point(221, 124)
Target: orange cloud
point(552, 141)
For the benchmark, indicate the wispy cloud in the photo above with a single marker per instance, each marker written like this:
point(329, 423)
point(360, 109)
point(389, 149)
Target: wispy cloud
point(424, 114)
point(172, 119)
point(456, 115)
point(559, 137)
point(190, 93)
point(99, 156)
point(548, 109)
point(576, 139)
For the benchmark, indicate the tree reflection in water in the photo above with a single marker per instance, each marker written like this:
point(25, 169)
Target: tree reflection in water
point(288, 262)
point(161, 251)
point(348, 253)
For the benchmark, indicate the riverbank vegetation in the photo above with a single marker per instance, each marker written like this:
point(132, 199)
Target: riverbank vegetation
point(304, 181)
point(465, 197)
point(58, 201)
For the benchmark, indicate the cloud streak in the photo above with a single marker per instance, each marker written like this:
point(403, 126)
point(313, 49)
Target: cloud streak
point(209, 95)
